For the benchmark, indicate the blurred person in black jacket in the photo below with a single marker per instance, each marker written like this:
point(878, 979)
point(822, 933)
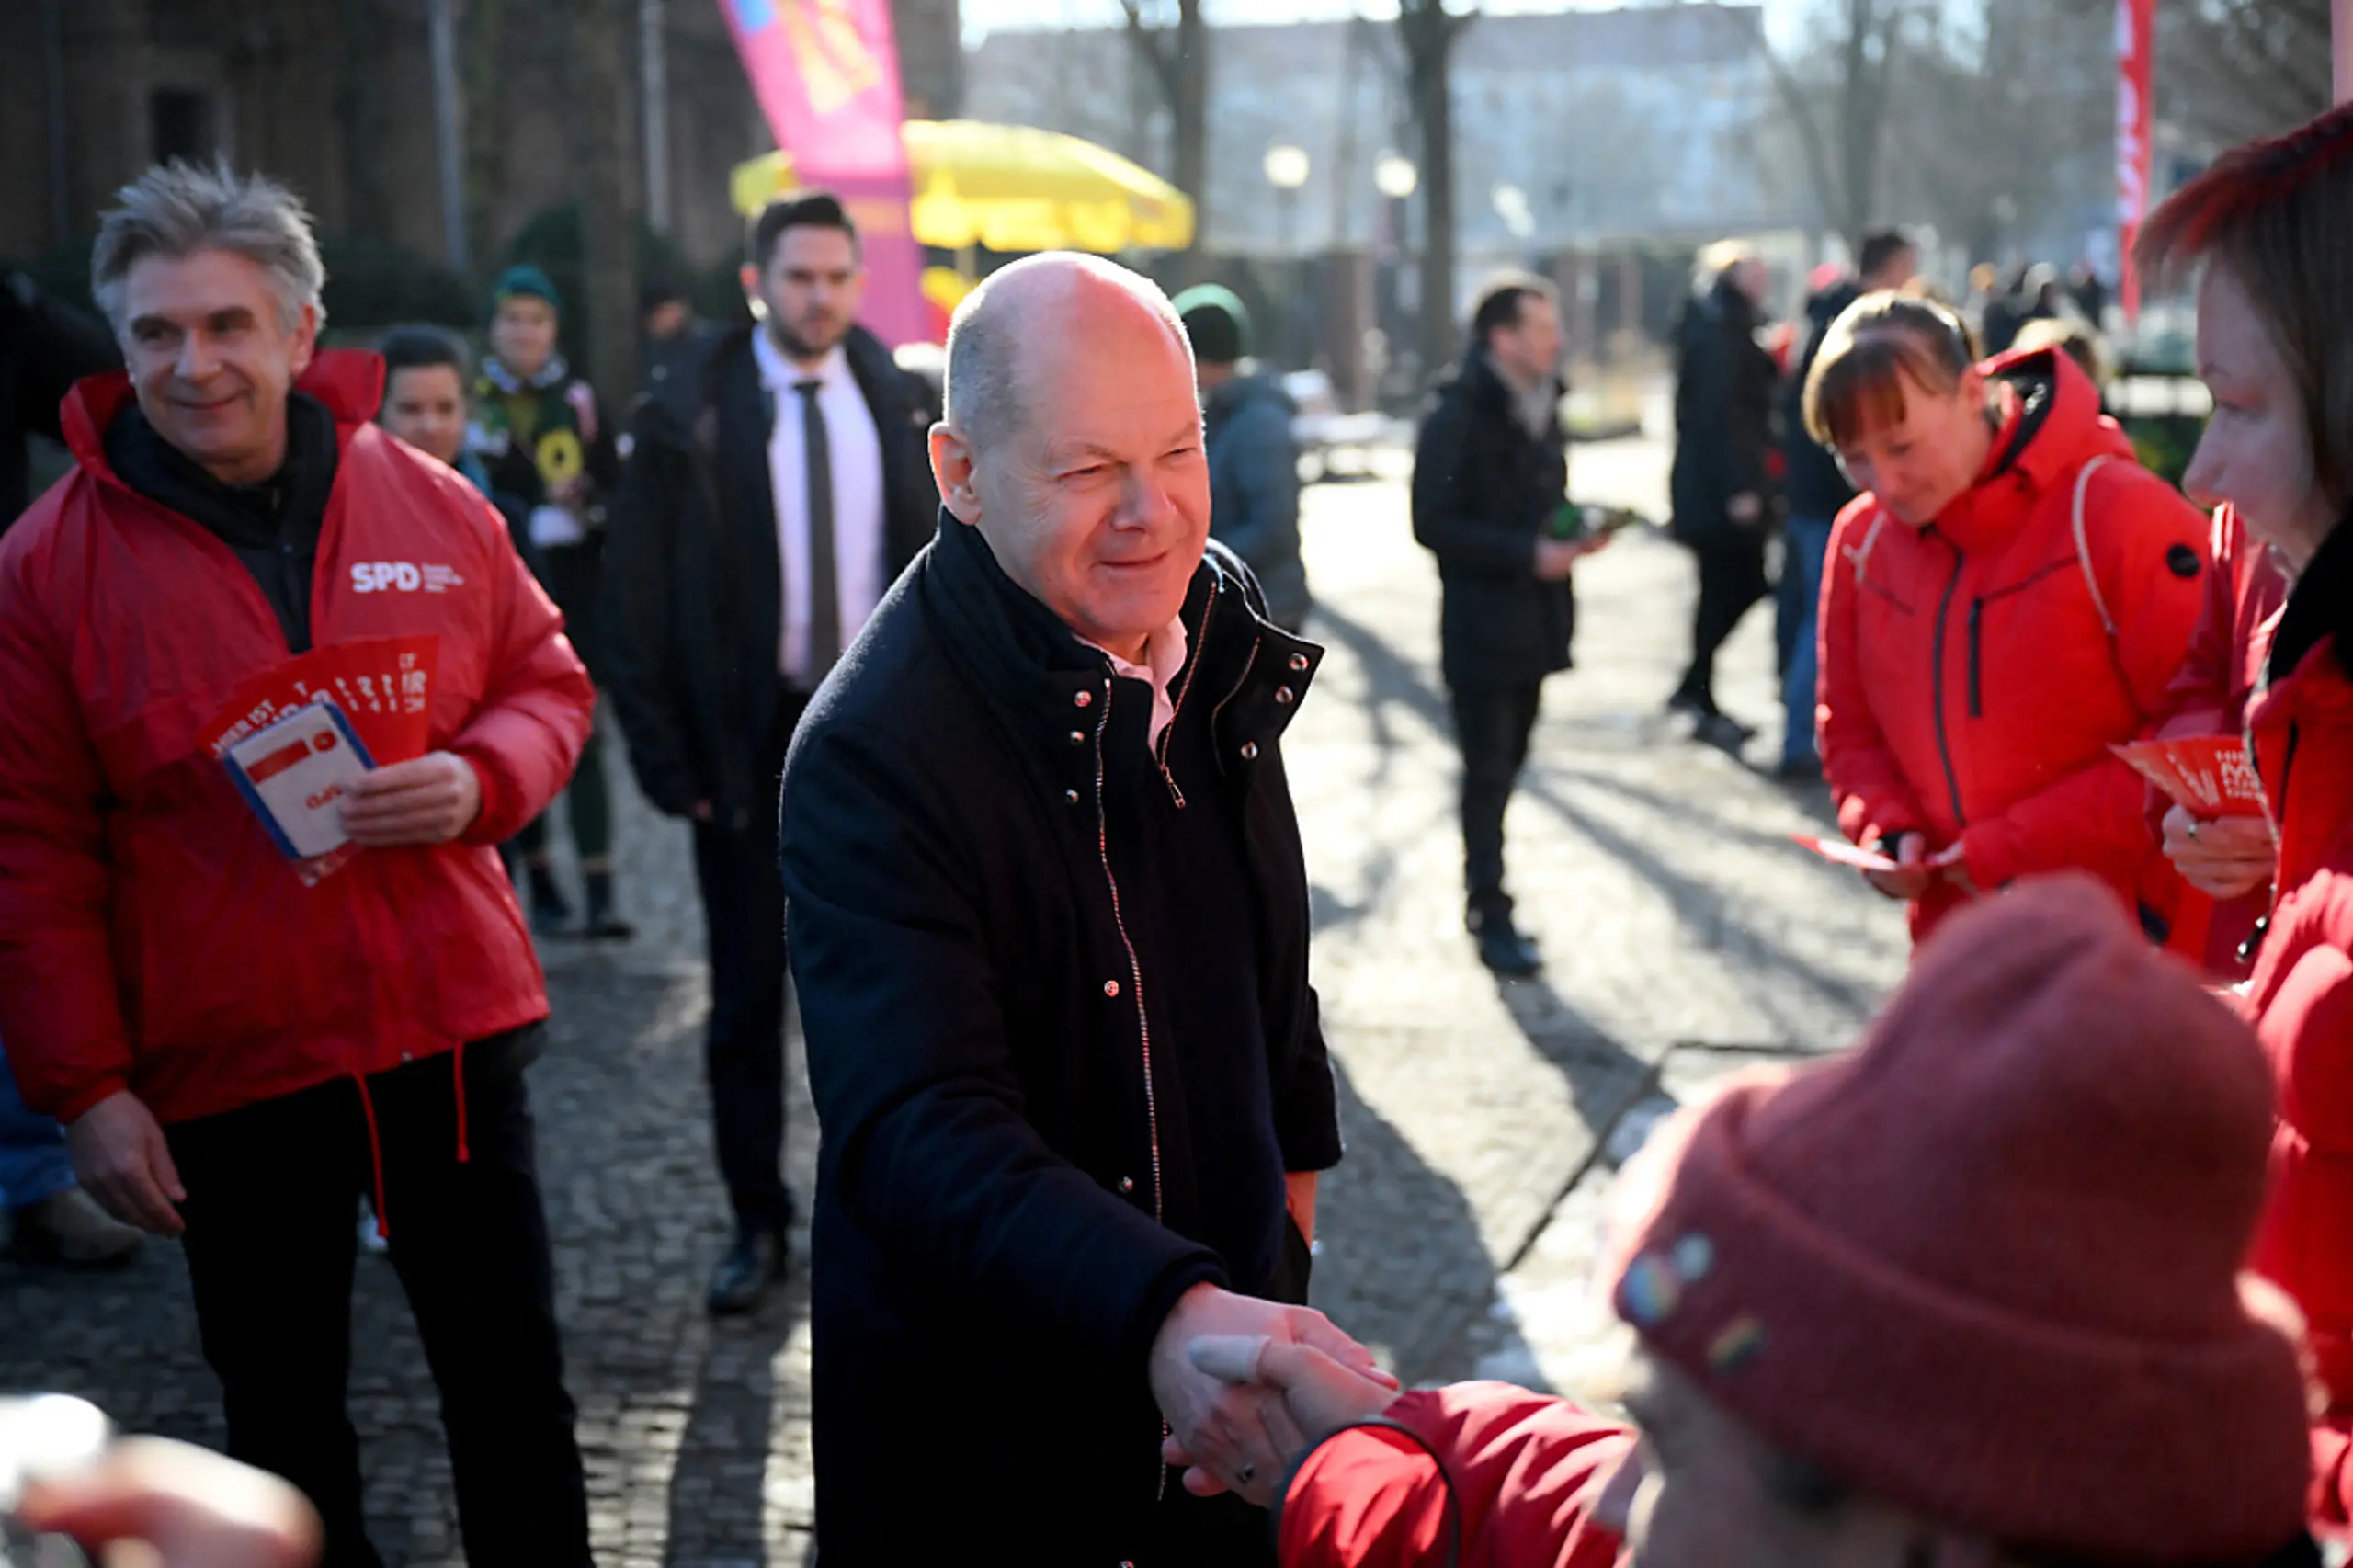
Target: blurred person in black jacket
point(45, 346)
point(777, 485)
point(1722, 487)
point(1817, 491)
point(1490, 480)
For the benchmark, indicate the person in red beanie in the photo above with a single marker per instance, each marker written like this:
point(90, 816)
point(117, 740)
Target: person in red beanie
point(1967, 1295)
point(2267, 223)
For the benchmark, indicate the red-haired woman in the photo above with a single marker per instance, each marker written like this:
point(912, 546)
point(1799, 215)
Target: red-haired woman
point(2008, 599)
point(2272, 225)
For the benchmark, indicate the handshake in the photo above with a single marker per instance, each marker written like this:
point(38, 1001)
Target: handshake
point(1249, 1387)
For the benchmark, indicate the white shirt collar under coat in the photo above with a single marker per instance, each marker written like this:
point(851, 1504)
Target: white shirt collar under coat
point(1164, 659)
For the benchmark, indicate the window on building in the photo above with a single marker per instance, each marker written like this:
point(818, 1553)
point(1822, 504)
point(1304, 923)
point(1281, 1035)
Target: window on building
point(182, 124)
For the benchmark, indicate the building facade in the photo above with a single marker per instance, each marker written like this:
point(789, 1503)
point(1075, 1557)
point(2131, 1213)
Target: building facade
point(339, 100)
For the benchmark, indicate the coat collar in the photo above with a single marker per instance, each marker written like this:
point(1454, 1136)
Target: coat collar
point(2311, 667)
point(1036, 671)
point(2052, 427)
point(351, 382)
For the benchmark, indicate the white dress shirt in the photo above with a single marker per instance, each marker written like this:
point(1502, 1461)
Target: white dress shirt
point(861, 573)
point(1164, 656)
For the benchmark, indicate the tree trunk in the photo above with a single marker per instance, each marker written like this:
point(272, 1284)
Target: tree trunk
point(1428, 35)
point(1176, 57)
point(1434, 111)
point(1189, 114)
point(363, 118)
point(482, 42)
point(607, 215)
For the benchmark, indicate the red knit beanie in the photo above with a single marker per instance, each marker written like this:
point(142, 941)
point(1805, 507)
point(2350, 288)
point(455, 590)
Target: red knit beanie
point(1986, 1265)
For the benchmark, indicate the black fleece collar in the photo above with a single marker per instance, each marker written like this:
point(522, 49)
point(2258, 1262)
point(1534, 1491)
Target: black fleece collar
point(245, 515)
point(2320, 605)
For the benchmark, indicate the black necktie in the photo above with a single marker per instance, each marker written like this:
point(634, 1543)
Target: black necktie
point(824, 599)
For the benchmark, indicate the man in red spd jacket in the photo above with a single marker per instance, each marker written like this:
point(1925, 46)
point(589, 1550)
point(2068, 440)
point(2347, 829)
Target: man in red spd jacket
point(1965, 1297)
point(236, 1055)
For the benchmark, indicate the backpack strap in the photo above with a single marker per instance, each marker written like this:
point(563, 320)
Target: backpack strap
point(2084, 546)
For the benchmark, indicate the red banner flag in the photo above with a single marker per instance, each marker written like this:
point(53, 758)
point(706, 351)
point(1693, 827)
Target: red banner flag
point(827, 73)
point(2136, 133)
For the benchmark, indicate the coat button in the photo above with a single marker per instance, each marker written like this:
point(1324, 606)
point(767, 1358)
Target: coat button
point(1071, 795)
point(1083, 700)
point(1249, 751)
point(1298, 661)
point(1078, 737)
point(1285, 696)
point(1110, 988)
point(1127, 1184)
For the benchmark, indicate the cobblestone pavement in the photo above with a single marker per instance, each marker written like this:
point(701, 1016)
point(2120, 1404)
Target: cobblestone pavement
point(1685, 935)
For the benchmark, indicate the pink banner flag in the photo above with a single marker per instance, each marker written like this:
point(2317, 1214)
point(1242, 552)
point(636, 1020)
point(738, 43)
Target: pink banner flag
point(2136, 133)
point(827, 73)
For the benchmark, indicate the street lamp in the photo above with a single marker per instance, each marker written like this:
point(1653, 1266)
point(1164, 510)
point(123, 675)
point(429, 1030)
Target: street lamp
point(1394, 177)
point(1287, 167)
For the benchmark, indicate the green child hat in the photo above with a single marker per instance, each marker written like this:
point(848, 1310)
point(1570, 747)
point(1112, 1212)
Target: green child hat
point(523, 279)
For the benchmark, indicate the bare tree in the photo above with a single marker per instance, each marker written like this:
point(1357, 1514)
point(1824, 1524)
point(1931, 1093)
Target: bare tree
point(2248, 67)
point(363, 117)
point(484, 52)
point(1176, 50)
point(1837, 104)
point(607, 215)
point(1427, 32)
point(2231, 70)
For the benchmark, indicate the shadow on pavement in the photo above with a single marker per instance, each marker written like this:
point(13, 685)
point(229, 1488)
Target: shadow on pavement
point(1392, 680)
point(1603, 1076)
point(1400, 1261)
point(718, 1492)
point(1713, 914)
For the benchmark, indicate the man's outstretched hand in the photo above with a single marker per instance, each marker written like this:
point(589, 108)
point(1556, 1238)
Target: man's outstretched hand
point(1321, 1395)
point(1231, 1435)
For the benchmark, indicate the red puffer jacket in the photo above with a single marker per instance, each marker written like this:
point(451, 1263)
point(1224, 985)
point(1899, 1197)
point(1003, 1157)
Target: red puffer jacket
point(2302, 730)
point(1522, 1469)
point(151, 937)
point(2208, 697)
point(1971, 684)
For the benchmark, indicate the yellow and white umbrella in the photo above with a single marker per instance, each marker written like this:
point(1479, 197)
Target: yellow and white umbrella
point(1012, 188)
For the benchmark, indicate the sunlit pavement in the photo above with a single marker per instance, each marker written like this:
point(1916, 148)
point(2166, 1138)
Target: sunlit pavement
point(1684, 935)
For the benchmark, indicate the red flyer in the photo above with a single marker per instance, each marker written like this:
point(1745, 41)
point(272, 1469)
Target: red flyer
point(1839, 852)
point(384, 686)
point(2210, 776)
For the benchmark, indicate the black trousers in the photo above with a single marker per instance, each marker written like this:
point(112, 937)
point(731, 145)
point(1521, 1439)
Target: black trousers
point(1492, 724)
point(574, 575)
point(1731, 580)
point(272, 1205)
point(742, 911)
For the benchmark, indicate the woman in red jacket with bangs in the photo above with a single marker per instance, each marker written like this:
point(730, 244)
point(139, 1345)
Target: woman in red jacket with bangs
point(2008, 599)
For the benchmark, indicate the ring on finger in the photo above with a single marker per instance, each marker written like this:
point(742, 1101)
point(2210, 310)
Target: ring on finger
point(2193, 830)
point(1246, 1473)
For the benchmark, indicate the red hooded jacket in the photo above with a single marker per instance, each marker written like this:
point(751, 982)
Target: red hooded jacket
point(151, 936)
point(2209, 696)
point(1971, 685)
point(2302, 730)
point(1521, 1470)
